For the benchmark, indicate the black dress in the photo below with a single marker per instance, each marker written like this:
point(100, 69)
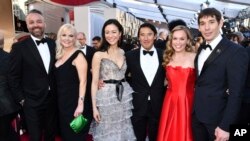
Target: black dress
point(67, 81)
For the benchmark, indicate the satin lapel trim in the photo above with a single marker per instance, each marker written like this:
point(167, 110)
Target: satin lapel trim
point(34, 51)
point(196, 61)
point(215, 53)
point(140, 68)
point(159, 67)
point(87, 52)
point(52, 55)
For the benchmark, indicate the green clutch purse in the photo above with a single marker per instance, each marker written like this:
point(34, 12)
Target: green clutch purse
point(78, 123)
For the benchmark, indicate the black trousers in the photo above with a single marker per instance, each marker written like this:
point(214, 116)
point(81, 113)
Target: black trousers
point(42, 121)
point(7, 132)
point(202, 131)
point(145, 125)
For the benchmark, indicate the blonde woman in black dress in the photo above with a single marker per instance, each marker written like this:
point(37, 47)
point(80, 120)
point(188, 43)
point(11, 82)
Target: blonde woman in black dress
point(71, 77)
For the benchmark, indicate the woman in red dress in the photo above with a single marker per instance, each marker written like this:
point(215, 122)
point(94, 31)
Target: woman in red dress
point(175, 122)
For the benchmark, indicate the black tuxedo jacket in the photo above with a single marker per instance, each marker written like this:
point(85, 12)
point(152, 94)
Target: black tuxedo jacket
point(28, 77)
point(225, 69)
point(89, 55)
point(141, 87)
point(248, 73)
point(246, 91)
point(7, 103)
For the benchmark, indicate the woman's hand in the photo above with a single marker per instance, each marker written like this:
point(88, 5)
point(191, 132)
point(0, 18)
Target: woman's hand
point(96, 115)
point(79, 109)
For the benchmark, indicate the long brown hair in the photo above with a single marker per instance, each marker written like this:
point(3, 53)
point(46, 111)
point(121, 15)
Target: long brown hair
point(169, 51)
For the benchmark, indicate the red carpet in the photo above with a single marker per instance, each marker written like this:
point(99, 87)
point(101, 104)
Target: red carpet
point(25, 137)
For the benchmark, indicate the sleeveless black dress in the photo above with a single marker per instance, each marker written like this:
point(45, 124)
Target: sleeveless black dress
point(67, 81)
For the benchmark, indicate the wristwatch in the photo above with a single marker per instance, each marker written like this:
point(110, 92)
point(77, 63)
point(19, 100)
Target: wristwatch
point(82, 98)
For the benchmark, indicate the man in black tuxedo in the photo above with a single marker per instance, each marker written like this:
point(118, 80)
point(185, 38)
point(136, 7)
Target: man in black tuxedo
point(147, 80)
point(88, 52)
point(32, 80)
point(8, 107)
point(221, 70)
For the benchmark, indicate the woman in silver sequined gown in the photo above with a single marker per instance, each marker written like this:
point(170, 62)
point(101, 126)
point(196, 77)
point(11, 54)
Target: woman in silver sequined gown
point(112, 103)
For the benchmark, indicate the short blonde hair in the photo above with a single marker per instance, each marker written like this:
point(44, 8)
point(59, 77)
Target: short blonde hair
point(59, 48)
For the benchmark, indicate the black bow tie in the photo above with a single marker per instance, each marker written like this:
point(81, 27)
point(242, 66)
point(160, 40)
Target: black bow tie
point(43, 40)
point(149, 52)
point(206, 46)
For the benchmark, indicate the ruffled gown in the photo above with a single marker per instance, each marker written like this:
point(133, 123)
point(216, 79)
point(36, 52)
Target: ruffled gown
point(115, 124)
point(175, 121)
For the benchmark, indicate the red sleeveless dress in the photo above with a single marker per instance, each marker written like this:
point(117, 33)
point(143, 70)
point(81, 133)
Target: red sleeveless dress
point(175, 121)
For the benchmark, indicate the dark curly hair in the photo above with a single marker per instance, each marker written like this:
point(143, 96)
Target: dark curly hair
point(210, 12)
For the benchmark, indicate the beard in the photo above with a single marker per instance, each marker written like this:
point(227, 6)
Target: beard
point(37, 32)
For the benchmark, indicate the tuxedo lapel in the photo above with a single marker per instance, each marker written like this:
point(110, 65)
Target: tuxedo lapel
point(215, 53)
point(196, 61)
point(52, 55)
point(34, 51)
point(87, 52)
point(89, 55)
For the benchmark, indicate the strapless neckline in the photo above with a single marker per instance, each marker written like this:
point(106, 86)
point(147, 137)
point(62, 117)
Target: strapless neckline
point(115, 63)
point(179, 67)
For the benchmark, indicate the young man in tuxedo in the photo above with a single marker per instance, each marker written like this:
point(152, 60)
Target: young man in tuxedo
point(88, 52)
point(32, 81)
point(221, 71)
point(147, 80)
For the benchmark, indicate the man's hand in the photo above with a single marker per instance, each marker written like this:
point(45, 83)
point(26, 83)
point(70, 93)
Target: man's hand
point(221, 135)
point(100, 84)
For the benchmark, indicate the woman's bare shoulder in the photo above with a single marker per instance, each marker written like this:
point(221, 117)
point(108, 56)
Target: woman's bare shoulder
point(99, 54)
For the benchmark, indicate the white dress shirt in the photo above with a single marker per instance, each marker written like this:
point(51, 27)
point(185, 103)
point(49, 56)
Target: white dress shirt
point(149, 64)
point(44, 53)
point(84, 49)
point(204, 54)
